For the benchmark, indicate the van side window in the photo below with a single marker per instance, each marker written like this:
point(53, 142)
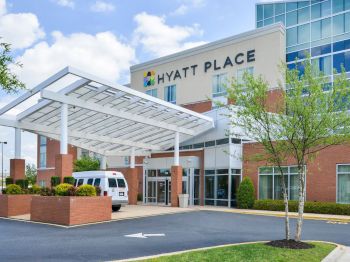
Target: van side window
point(97, 182)
point(89, 182)
point(80, 182)
point(75, 182)
point(112, 182)
point(121, 182)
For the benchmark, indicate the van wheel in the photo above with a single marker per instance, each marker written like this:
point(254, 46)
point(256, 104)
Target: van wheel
point(115, 208)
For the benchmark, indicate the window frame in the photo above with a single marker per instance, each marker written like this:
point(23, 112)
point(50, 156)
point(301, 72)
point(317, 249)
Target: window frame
point(173, 93)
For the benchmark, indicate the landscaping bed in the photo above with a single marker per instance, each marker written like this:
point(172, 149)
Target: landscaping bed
point(310, 207)
point(15, 205)
point(71, 210)
point(253, 253)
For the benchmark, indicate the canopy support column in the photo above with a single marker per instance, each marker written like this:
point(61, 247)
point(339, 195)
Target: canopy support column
point(64, 129)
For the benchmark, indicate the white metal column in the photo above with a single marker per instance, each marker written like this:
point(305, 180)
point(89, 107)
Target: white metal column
point(132, 158)
point(64, 129)
point(103, 164)
point(176, 150)
point(18, 143)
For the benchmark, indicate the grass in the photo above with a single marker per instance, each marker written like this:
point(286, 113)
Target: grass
point(252, 252)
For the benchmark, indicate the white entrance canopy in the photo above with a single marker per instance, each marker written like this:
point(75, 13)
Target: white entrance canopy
point(102, 117)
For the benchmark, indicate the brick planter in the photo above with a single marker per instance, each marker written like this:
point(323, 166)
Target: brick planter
point(15, 205)
point(70, 210)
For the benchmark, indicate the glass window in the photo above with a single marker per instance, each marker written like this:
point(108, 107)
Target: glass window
point(316, 31)
point(343, 184)
point(304, 33)
point(321, 50)
point(222, 187)
point(198, 145)
point(209, 186)
point(278, 192)
point(152, 92)
point(325, 8)
point(259, 24)
point(280, 18)
point(292, 36)
point(210, 143)
point(294, 188)
point(121, 182)
point(80, 182)
point(170, 94)
point(97, 182)
point(259, 12)
point(219, 84)
point(222, 141)
point(338, 24)
point(112, 182)
point(303, 15)
point(342, 59)
point(90, 180)
point(292, 6)
point(268, 11)
point(236, 141)
point(280, 9)
point(342, 45)
point(316, 11)
point(209, 172)
point(326, 27)
point(324, 64)
point(340, 5)
point(42, 156)
point(268, 21)
point(164, 172)
point(347, 22)
point(292, 18)
point(265, 187)
point(242, 71)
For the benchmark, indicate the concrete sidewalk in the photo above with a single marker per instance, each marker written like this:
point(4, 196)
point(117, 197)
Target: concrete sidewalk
point(339, 254)
point(331, 218)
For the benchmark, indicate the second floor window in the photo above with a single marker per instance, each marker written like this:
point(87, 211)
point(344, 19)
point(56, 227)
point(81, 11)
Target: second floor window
point(219, 84)
point(170, 94)
point(152, 92)
point(42, 156)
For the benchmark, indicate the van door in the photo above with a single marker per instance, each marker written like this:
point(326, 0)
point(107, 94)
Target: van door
point(113, 188)
point(122, 189)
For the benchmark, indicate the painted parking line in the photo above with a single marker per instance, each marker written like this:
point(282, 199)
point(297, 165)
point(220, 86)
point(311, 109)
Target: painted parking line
point(337, 222)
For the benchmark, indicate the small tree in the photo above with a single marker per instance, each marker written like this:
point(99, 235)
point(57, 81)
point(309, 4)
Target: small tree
point(8, 81)
point(86, 163)
point(246, 194)
point(31, 174)
point(308, 121)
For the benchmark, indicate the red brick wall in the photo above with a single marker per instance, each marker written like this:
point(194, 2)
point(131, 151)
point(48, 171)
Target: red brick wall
point(17, 169)
point(52, 149)
point(71, 210)
point(14, 205)
point(200, 107)
point(321, 176)
point(275, 101)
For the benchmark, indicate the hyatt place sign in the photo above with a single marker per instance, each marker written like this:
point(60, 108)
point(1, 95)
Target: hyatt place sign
point(150, 77)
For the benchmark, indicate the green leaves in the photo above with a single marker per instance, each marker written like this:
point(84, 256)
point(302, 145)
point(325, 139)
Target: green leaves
point(9, 82)
point(86, 164)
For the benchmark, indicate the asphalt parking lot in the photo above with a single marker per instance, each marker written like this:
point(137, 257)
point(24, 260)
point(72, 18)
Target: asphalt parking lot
point(23, 241)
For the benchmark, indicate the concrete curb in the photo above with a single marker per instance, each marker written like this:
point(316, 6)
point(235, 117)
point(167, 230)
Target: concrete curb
point(213, 247)
point(281, 214)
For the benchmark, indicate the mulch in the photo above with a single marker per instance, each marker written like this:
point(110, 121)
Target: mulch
point(291, 244)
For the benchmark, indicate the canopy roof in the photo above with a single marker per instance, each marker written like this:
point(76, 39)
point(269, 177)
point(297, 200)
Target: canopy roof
point(103, 117)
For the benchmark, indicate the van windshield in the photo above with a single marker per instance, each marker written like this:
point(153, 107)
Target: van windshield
point(121, 182)
point(112, 182)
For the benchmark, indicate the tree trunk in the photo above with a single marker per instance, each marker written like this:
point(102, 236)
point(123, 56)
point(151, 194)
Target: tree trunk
point(300, 204)
point(286, 209)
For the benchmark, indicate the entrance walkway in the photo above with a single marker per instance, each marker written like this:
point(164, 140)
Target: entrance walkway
point(138, 211)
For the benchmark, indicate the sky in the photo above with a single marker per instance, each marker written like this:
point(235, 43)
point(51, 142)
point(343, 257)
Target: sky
point(106, 37)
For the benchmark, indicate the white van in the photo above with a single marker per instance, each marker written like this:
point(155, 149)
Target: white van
point(112, 184)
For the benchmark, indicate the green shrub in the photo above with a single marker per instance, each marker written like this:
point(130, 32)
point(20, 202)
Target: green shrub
point(246, 194)
point(35, 189)
point(68, 180)
point(23, 183)
point(63, 189)
point(310, 207)
point(86, 190)
point(86, 163)
point(9, 180)
point(46, 191)
point(55, 181)
point(13, 189)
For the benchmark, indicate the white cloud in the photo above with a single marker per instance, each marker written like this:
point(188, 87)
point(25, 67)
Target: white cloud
point(181, 10)
point(102, 54)
point(66, 3)
point(101, 6)
point(20, 30)
point(160, 39)
point(2, 7)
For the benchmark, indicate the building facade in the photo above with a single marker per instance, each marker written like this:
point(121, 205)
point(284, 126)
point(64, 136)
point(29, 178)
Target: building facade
point(214, 162)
